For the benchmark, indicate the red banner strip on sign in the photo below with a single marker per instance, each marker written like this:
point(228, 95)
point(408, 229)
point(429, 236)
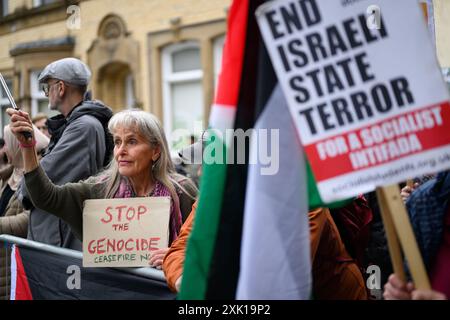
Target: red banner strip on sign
point(388, 140)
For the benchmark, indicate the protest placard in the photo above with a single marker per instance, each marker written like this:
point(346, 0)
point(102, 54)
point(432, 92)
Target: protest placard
point(364, 90)
point(124, 232)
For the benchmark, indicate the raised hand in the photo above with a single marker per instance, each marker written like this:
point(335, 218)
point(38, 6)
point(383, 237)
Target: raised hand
point(20, 123)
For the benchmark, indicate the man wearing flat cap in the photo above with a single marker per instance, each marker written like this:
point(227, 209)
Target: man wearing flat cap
point(80, 144)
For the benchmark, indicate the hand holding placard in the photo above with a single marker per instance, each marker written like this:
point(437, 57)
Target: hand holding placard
point(124, 232)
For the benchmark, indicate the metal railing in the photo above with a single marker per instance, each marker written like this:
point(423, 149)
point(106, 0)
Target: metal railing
point(147, 272)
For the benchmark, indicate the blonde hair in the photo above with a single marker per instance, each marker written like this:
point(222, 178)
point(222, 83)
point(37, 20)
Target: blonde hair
point(39, 117)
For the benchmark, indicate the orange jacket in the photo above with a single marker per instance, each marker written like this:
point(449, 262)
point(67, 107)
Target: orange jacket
point(174, 259)
point(335, 274)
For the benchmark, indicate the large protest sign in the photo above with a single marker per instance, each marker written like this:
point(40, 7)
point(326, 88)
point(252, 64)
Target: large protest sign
point(364, 89)
point(124, 232)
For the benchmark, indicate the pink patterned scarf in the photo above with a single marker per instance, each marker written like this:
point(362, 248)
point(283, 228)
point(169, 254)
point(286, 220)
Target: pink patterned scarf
point(125, 190)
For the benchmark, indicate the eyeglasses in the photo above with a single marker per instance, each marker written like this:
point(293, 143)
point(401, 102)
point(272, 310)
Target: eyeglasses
point(46, 87)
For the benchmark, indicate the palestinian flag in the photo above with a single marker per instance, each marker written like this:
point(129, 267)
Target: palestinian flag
point(41, 275)
point(275, 205)
point(201, 243)
point(275, 260)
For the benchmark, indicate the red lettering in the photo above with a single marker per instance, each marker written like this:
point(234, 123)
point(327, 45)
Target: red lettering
point(120, 212)
point(141, 210)
point(144, 244)
point(100, 246)
point(120, 227)
point(126, 245)
point(130, 209)
point(120, 245)
point(109, 214)
point(111, 245)
point(91, 248)
point(154, 244)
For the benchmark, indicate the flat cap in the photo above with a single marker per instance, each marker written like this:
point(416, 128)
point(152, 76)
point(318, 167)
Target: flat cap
point(69, 70)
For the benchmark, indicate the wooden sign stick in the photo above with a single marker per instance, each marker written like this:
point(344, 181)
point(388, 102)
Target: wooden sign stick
point(395, 209)
point(395, 251)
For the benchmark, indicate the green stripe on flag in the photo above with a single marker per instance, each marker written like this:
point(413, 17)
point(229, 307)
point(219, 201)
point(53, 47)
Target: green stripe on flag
point(315, 201)
point(202, 240)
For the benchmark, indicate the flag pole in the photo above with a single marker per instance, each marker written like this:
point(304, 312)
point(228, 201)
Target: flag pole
point(400, 235)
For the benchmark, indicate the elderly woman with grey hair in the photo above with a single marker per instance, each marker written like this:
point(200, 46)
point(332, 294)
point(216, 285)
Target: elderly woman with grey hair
point(141, 167)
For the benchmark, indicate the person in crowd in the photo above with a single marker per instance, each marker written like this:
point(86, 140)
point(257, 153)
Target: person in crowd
point(15, 223)
point(15, 159)
point(141, 167)
point(429, 212)
point(174, 259)
point(80, 145)
point(408, 189)
point(40, 121)
point(191, 161)
point(377, 252)
point(15, 219)
point(336, 275)
point(188, 162)
point(5, 167)
point(3, 157)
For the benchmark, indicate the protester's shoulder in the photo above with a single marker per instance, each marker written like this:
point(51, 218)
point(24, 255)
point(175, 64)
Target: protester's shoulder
point(94, 186)
point(422, 193)
point(97, 189)
point(86, 120)
point(91, 113)
point(85, 127)
point(318, 214)
point(187, 184)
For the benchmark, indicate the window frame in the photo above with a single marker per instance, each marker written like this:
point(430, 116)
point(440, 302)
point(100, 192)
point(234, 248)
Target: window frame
point(169, 78)
point(218, 46)
point(35, 92)
point(4, 8)
point(130, 98)
point(39, 3)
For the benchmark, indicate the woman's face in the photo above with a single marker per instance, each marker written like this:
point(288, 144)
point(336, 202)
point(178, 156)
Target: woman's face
point(133, 153)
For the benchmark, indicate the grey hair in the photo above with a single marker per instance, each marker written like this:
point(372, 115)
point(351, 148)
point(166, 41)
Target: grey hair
point(163, 169)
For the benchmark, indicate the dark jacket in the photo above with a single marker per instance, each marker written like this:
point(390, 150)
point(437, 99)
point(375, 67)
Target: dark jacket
point(335, 274)
point(377, 252)
point(427, 207)
point(77, 150)
point(174, 259)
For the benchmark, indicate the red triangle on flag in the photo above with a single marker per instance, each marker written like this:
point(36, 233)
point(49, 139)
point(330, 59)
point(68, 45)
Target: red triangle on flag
point(20, 289)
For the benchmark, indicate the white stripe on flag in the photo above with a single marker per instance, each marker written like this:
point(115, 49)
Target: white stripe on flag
point(275, 252)
point(222, 117)
point(13, 273)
